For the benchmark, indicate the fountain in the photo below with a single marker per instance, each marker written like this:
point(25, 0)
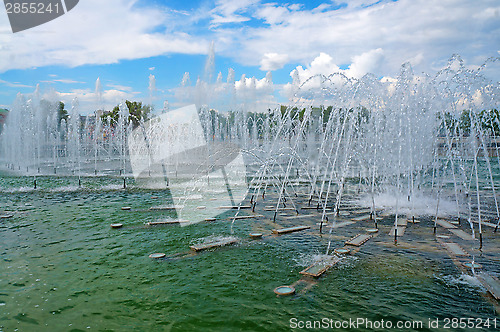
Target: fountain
point(404, 139)
point(384, 166)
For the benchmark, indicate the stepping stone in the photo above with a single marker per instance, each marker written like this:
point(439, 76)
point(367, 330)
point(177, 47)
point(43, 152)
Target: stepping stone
point(256, 235)
point(157, 255)
point(314, 208)
point(402, 222)
point(284, 290)
point(246, 217)
point(280, 209)
point(318, 268)
point(362, 211)
point(228, 207)
point(342, 251)
point(443, 236)
point(455, 249)
point(491, 283)
point(343, 224)
point(166, 222)
point(300, 216)
point(209, 245)
point(401, 231)
point(358, 240)
point(461, 234)
point(472, 265)
point(162, 208)
point(290, 229)
point(445, 224)
point(365, 217)
point(485, 223)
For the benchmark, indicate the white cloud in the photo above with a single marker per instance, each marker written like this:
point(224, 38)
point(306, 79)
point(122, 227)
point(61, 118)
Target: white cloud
point(295, 6)
point(230, 11)
point(364, 36)
point(64, 81)
point(324, 64)
point(256, 94)
point(273, 61)
point(120, 87)
point(425, 33)
point(14, 84)
point(324, 72)
point(95, 32)
point(253, 83)
point(272, 14)
point(368, 62)
point(88, 99)
point(488, 13)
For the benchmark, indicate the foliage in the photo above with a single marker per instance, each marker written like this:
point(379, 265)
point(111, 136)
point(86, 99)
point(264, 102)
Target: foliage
point(137, 113)
point(488, 121)
point(62, 114)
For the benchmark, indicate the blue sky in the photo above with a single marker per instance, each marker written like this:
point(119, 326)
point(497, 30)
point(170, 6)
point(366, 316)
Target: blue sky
point(124, 41)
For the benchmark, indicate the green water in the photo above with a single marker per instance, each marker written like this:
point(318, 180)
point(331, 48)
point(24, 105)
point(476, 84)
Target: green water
point(62, 268)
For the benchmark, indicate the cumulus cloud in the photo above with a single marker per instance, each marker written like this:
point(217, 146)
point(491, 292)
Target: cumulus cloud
point(324, 64)
point(261, 33)
point(367, 62)
point(253, 83)
point(273, 14)
point(320, 73)
point(426, 33)
point(257, 94)
point(95, 32)
point(273, 61)
point(230, 11)
point(353, 39)
point(88, 100)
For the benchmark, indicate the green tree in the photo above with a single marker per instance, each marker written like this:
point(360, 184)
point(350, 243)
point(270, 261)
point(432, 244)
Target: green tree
point(137, 113)
point(62, 114)
point(110, 117)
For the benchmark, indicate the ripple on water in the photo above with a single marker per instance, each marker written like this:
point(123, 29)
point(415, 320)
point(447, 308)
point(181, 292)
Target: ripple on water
point(26, 319)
